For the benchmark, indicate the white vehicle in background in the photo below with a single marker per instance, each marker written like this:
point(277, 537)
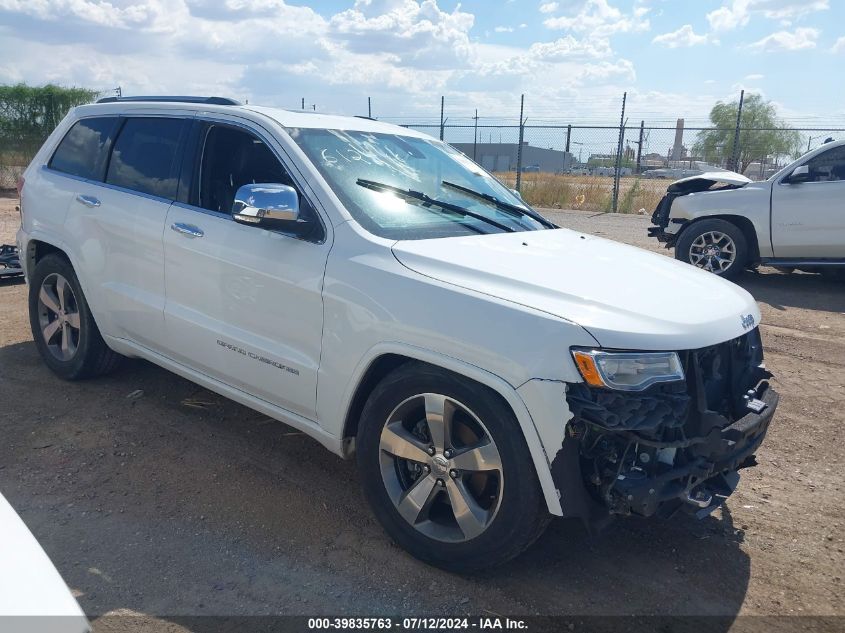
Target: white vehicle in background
point(723, 222)
point(374, 288)
point(33, 596)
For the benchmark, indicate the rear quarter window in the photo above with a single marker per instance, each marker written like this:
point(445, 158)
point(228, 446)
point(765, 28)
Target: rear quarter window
point(84, 150)
point(146, 157)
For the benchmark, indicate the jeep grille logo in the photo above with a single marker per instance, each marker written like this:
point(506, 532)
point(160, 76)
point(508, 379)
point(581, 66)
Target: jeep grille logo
point(747, 321)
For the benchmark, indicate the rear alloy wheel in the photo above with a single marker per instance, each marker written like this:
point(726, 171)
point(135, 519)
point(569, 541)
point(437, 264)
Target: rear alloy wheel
point(716, 246)
point(62, 324)
point(58, 317)
point(446, 469)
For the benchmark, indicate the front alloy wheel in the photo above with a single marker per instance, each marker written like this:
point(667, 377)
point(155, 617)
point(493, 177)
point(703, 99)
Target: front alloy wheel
point(441, 468)
point(713, 251)
point(446, 469)
point(714, 245)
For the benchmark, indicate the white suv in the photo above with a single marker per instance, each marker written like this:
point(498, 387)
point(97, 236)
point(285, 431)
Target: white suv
point(376, 289)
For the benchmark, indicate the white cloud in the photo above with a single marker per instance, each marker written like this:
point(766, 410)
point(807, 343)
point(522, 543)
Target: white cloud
point(568, 48)
point(599, 19)
point(730, 16)
point(504, 29)
point(839, 45)
point(754, 77)
point(734, 14)
point(684, 37)
point(549, 7)
point(417, 34)
point(800, 39)
point(790, 9)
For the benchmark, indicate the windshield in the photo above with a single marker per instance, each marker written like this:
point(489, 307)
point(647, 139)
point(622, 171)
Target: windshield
point(363, 167)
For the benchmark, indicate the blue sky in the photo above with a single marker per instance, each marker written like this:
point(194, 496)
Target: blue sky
point(571, 58)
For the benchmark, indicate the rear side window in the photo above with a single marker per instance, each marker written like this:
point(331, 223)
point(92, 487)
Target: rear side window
point(145, 156)
point(84, 150)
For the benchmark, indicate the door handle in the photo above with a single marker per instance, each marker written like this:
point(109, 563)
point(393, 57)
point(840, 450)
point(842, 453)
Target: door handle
point(89, 201)
point(188, 230)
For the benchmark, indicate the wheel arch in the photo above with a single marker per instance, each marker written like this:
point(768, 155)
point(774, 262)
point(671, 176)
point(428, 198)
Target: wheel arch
point(742, 223)
point(385, 358)
point(37, 249)
point(38, 246)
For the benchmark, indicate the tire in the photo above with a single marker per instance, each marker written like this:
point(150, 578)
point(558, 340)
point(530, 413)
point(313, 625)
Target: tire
point(508, 509)
point(707, 244)
point(62, 325)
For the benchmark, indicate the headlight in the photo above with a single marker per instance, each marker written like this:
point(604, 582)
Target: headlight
point(627, 371)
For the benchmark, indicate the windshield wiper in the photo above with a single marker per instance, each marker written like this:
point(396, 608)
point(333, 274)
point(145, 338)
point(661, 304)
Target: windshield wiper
point(510, 209)
point(426, 202)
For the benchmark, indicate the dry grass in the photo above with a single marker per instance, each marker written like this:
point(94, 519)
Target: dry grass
point(592, 193)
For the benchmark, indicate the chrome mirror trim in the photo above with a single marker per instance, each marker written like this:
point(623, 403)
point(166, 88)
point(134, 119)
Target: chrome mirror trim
point(261, 202)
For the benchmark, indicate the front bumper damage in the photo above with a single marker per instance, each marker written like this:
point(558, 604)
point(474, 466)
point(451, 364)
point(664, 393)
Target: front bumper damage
point(661, 219)
point(674, 446)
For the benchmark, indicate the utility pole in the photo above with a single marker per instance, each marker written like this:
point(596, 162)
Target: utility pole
point(566, 151)
point(475, 138)
point(369, 107)
point(303, 103)
point(442, 120)
point(735, 154)
point(519, 149)
point(640, 146)
point(619, 154)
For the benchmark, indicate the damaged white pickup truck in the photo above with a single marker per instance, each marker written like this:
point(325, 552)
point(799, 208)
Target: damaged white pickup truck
point(723, 222)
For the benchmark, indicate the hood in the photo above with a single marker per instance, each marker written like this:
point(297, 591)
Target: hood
point(625, 297)
point(710, 178)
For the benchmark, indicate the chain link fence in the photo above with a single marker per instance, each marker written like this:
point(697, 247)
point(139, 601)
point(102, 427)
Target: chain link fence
point(614, 167)
point(581, 166)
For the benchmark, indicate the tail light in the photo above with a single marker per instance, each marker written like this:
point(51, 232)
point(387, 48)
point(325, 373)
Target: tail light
point(20, 185)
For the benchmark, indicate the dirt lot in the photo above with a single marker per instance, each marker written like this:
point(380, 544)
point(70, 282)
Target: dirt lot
point(153, 496)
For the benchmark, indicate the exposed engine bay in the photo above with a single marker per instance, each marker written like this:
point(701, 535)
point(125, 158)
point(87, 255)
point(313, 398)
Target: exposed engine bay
point(675, 445)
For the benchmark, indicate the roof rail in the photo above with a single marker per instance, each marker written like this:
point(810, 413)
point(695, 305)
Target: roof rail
point(173, 99)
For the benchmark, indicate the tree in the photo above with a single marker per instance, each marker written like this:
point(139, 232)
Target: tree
point(763, 136)
point(29, 113)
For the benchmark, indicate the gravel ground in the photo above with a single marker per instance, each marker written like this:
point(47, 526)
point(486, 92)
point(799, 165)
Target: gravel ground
point(157, 498)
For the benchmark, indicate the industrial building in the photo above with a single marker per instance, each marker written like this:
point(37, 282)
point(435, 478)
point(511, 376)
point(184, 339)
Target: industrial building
point(502, 157)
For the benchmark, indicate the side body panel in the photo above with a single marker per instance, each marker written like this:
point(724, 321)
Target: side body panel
point(808, 219)
point(244, 306)
point(119, 252)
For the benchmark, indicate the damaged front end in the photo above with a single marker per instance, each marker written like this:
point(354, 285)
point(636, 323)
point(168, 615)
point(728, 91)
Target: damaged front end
point(672, 446)
point(710, 181)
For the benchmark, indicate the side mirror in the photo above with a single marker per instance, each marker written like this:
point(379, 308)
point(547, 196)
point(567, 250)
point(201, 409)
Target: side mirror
point(799, 174)
point(270, 206)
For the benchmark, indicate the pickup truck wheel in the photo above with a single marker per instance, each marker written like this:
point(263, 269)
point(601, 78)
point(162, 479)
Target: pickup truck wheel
point(64, 331)
point(446, 470)
point(717, 246)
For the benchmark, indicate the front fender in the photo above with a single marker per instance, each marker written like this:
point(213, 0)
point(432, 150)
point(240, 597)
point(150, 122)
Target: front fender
point(751, 203)
point(527, 423)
